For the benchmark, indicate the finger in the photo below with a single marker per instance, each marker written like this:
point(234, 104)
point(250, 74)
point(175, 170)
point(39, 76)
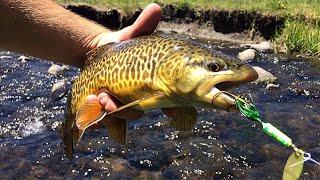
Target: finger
point(145, 24)
point(110, 105)
point(148, 20)
point(106, 101)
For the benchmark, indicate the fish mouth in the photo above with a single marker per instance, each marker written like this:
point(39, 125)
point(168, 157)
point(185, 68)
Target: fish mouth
point(214, 89)
point(220, 97)
point(224, 86)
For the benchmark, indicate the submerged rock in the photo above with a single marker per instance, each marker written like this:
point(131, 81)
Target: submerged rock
point(23, 59)
point(59, 89)
point(5, 57)
point(262, 46)
point(272, 86)
point(264, 76)
point(247, 55)
point(58, 85)
point(57, 69)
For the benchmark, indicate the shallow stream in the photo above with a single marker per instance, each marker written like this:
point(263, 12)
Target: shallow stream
point(222, 145)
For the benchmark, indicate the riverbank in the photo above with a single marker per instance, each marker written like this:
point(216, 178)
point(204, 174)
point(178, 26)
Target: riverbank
point(291, 31)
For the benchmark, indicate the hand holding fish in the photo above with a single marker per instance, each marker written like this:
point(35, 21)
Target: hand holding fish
point(145, 24)
point(44, 29)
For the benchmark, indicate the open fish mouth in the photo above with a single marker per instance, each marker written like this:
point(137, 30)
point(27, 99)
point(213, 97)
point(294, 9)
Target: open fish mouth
point(222, 98)
point(224, 86)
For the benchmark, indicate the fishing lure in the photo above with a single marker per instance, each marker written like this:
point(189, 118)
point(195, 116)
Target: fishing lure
point(294, 165)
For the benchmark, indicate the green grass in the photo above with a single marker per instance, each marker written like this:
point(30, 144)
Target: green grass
point(301, 33)
point(301, 37)
point(310, 8)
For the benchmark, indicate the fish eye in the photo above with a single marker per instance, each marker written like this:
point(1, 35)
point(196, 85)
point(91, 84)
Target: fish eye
point(213, 67)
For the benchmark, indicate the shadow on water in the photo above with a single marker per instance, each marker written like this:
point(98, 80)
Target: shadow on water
point(221, 145)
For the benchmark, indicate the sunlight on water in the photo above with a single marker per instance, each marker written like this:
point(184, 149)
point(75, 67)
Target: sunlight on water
point(221, 145)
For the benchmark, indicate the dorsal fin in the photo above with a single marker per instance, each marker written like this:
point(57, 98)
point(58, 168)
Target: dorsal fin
point(98, 52)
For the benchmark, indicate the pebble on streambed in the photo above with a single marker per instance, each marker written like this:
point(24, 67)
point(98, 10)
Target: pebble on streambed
point(272, 86)
point(23, 59)
point(262, 46)
point(57, 69)
point(5, 57)
point(57, 86)
point(247, 55)
point(59, 89)
point(264, 76)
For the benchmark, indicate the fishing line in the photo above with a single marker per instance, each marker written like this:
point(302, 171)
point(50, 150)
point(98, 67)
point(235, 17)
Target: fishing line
point(307, 157)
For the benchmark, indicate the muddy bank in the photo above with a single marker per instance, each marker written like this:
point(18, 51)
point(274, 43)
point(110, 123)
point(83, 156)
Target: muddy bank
point(252, 24)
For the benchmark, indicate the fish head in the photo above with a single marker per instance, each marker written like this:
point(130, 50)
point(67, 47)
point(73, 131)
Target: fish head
point(199, 75)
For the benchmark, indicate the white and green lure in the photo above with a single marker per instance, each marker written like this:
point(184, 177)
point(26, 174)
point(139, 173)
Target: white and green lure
point(294, 165)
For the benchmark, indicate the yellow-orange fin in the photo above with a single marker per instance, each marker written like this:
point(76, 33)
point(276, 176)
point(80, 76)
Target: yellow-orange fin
point(89, 113)
point(117, 128)
point(183, 118)
point(78, 134)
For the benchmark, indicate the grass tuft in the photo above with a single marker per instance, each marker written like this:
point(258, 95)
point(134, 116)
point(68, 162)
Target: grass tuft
point(301, 37)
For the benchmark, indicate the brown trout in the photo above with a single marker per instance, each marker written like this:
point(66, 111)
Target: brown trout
point(155, 71)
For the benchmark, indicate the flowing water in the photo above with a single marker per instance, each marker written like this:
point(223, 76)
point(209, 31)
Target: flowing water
point(222, 145)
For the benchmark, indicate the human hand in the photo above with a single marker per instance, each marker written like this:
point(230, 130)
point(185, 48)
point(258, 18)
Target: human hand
point(145, 24)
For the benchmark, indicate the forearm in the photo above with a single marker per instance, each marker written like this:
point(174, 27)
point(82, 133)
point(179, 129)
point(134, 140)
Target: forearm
point(44, 29)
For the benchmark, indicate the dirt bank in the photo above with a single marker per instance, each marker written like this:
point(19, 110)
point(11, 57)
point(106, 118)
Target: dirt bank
point(215, 24)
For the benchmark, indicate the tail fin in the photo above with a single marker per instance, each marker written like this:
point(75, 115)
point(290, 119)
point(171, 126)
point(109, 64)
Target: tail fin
point(66, 135)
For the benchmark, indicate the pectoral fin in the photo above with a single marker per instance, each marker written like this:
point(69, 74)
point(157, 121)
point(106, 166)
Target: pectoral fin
point(77, 134)
point(89, 113)
point(117, 128)
point(183, 118)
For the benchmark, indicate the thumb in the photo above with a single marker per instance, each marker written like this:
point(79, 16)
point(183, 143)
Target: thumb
point(145, 24)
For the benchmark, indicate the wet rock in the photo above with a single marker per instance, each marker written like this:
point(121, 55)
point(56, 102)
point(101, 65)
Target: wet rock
point(262, 46)
point(57, 69)
point(59, 89)
point(23, 59)
point(272, 86)
point(264, 76)
point(247, 55)
point(5, 57)
point(58, 85)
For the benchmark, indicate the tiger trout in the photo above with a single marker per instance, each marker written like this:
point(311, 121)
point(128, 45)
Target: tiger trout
point(155, 71)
